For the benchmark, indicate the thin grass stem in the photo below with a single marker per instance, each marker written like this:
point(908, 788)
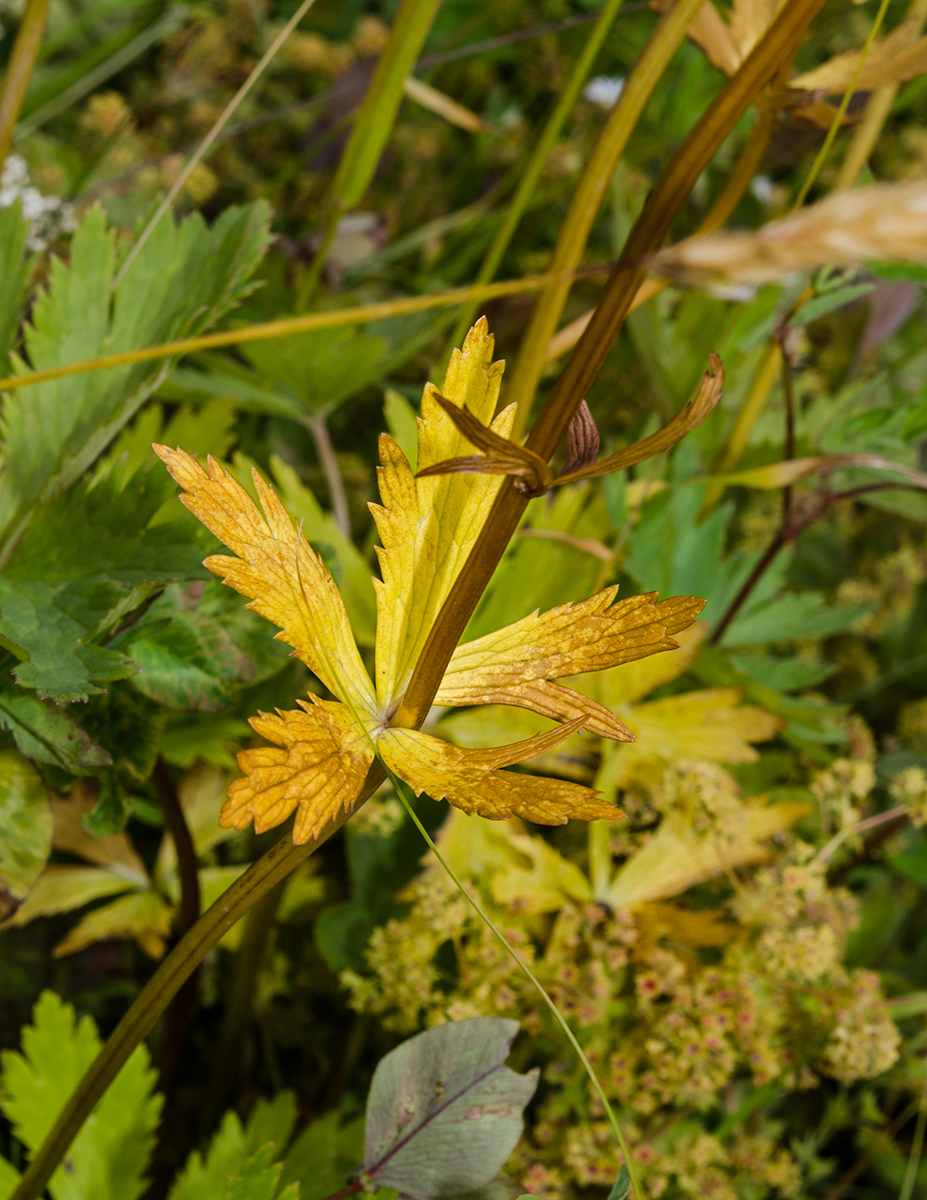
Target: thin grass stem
point(542, 991)
point(822, 154)
point(20, 66)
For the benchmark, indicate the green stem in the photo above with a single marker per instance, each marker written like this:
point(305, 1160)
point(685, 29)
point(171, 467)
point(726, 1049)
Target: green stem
point(536, 163)
point(841, 111)
point(19, 70)
point(523, 966)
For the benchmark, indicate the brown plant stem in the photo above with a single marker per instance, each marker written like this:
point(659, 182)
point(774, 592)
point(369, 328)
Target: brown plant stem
point(19, 70)
point(666, 198)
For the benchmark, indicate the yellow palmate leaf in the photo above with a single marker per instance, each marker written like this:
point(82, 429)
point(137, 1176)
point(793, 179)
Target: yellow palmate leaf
point(549, 883)
point(629, 682)
point(677, 858)
point(278, 570)
point(704, 724)
point(516, 664)
point(471, 779)
point(317, 765)
point(429, 525)
point(492, 724)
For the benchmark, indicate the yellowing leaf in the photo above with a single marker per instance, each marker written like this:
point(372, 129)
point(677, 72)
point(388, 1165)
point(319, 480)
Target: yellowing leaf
point(893, 59)
point(471, 780)
point(277, 568)
point(115, 852)
point(429, 525)
point(319, 770)
point(727, 43)
point(143, 916)
point(319, 757)
point(550, 881)
point(704, 724)
point(677, 857)
point(629, 682)
point(63, 888)
point(701, 927)
point(515, 665)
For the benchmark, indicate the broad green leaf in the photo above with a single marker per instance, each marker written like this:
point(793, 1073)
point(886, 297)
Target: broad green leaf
point(444, 1112)
point(209, 738)
point(258, 1179)
point(794, 615)
point(183, 280)
point(25, 827)
point(85, 563)
point(191, 664)
point(621, 1188)
point(900, 271)
point(402, 423)
point(790, 674)
point(46, 734)
point(112, 809)
point(14, 271)
point(107, 1159)
point(321, 368)
point(232, 1146)
point(323, 1156)
point(9, 1178)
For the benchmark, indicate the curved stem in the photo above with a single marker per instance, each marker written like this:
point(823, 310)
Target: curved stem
point(19, 71)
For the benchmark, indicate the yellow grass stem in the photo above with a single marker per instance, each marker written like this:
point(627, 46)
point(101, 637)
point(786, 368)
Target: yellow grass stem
point(19, 70)
point(279, 328)
point(378, 112)
point(587, 200)
point(206, 144)
point(841, 111)
point(536, 163)
point(523, 966)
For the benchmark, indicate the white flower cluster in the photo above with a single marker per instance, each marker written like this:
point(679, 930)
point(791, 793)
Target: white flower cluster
point(47, 215)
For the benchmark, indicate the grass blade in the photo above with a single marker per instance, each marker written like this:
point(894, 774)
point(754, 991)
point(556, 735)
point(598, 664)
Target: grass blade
point(19, 70)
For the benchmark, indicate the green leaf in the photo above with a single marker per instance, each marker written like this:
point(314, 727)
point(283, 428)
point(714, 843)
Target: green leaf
point(228, 1153)
point(402, 423)
point(444, 1112)
point(208, 737)
point(321, 368)
point(900, 271)
point(46, 734)
point(820, 306)
point(25, 827)
point(185, 277)
point(111, 811)
point(14, 271)
point(323, 1156)
point(193, 662)
point(621, 1188)
point(107, 1159)
point(258, 1179)
point(9, 1178)
point(784, 674)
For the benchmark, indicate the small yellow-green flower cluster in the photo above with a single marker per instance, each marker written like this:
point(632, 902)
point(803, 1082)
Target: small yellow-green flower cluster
point(841, 790)
point(909, 787)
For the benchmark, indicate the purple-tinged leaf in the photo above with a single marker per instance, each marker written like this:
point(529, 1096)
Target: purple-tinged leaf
point(444, 1112)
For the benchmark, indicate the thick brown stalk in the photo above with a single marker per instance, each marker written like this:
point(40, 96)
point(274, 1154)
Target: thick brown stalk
point(778, 45)
point(19, 70)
